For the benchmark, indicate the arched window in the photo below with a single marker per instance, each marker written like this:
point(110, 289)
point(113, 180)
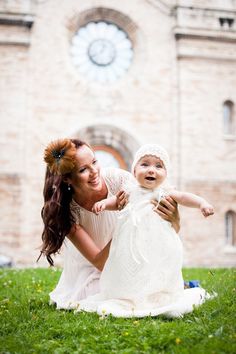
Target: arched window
point(228, 118)
point(109, 157)
point(230, 232)
point(113, 146)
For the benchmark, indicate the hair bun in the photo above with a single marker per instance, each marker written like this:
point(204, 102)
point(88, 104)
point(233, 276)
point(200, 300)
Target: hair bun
point(60, 156)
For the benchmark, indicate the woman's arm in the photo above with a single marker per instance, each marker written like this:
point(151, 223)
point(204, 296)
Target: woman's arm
point(84, 243)
point(168, 210)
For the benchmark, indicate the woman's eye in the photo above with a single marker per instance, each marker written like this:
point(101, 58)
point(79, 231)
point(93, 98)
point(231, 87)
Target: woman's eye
point(94, 162)
point(82, 170)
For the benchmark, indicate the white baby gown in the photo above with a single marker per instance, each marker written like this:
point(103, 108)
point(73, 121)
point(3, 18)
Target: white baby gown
point(143, 274)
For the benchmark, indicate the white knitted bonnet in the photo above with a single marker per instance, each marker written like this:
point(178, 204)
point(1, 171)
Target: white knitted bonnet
point(154, 150)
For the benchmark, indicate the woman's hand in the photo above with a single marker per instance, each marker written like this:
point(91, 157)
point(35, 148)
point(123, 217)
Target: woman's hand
point(168, 210)
point(122, 199)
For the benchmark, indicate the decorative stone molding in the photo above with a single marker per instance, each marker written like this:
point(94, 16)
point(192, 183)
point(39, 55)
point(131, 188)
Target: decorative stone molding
point(112, 136)
point(209, 24)
point(206, 34)
point(162, 6)
point(103, 14)
point(80, 19)
point(21, 20)
point(15, 26)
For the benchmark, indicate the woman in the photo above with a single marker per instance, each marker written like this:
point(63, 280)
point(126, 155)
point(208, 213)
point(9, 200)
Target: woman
point(74, 182)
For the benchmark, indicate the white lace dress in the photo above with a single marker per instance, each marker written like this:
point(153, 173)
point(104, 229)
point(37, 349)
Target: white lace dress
point(143, 274)
point(79, 277)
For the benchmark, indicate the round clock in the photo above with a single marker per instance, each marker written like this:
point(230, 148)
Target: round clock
point(101, 51)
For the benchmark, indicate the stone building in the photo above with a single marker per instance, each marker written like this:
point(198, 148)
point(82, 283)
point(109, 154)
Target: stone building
point(120, 74)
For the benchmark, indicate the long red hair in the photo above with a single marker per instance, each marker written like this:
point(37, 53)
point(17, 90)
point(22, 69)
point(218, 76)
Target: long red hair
point(56, 214)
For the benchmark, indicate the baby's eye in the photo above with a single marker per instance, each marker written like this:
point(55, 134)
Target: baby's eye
point(94, 162)
point(159, 165)
point(144, 164)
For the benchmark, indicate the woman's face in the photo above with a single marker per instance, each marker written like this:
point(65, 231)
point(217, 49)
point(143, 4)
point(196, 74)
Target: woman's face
point(150, 172)
point(86, 175)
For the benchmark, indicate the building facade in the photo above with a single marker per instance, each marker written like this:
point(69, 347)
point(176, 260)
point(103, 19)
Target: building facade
point(120, 75)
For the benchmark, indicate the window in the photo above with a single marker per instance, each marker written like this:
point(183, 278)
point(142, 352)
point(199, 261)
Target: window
point(113, 146)
point(226, 23)
point(228, 118)
point(109, 157)
point(230, 232)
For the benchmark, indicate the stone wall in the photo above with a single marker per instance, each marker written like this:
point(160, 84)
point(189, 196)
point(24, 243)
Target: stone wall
point(182, 72)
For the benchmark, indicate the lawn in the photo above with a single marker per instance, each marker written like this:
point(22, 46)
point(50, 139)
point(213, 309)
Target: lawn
point(29, 325)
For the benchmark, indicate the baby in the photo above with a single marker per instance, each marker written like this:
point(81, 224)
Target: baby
point(143, 273)
point(150, 172)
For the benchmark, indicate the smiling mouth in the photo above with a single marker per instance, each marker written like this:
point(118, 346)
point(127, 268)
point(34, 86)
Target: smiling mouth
point(95, 181)
point(150, 178)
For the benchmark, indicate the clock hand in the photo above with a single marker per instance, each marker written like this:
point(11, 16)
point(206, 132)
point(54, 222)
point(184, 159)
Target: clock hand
point(99, 51)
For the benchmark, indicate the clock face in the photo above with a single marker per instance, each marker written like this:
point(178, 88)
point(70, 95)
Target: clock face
point(101, 51)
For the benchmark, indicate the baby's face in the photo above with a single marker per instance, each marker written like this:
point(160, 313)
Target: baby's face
point(150, 172)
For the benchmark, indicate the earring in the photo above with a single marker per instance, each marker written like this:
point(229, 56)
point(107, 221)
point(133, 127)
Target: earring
point(69, 187)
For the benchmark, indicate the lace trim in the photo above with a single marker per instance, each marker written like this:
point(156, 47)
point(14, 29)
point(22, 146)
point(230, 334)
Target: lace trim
point(115, 178)
point(75, 211)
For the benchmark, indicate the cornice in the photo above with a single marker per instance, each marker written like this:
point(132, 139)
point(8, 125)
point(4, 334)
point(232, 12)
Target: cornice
point(205, 34)
point(16, 19)
point(162, 6)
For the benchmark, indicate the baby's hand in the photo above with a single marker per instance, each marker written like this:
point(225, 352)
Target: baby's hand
point(206, 209)
point(99, 207)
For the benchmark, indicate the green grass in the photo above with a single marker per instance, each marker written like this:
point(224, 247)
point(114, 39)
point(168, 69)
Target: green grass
point(29, 325)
